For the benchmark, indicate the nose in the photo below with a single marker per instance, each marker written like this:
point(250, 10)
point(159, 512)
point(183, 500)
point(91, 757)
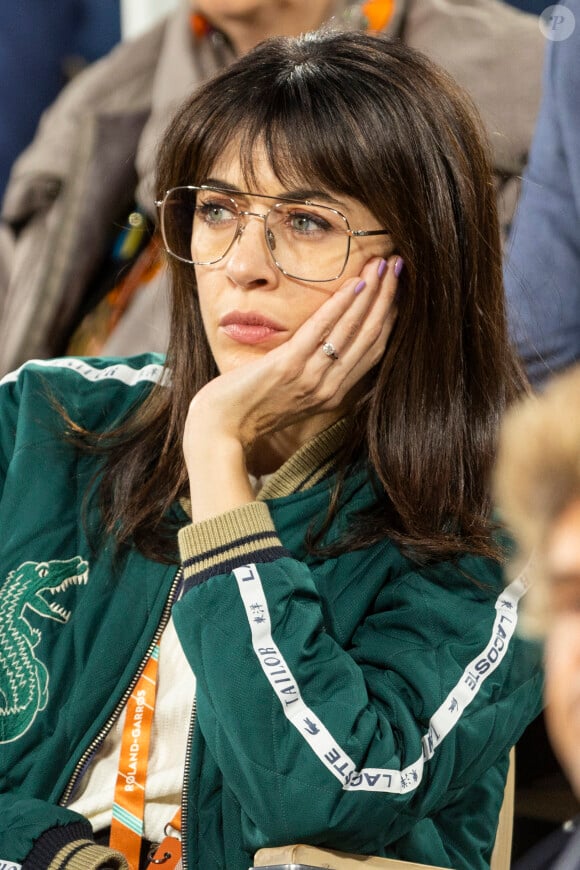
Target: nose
point(249, 262)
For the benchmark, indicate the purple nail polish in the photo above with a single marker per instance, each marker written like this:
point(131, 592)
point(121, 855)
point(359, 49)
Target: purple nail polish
point(360, 286)
point(398, 266)
point(382, 268)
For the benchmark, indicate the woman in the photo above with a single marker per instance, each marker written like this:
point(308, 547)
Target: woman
point(321, 438)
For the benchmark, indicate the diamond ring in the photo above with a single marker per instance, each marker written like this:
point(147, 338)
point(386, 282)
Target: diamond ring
point(329, 349)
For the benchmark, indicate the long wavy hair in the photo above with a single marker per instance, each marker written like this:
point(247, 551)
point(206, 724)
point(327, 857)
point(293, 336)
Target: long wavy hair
point(368, 117)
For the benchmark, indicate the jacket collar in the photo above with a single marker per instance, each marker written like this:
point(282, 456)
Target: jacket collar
point(314, 461)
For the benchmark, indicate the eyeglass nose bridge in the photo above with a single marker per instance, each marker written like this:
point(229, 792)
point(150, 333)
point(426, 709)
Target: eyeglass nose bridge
point(270, 237)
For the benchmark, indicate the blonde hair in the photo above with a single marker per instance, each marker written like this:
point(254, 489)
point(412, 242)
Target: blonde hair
point(537, 476)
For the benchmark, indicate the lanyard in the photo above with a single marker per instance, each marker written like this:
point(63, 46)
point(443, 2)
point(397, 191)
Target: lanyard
point(168, 851)
point(129, 800)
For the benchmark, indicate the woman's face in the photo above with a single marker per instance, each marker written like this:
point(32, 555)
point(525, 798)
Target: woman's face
point(247, 304)
point(247, 22)
point(223, 11)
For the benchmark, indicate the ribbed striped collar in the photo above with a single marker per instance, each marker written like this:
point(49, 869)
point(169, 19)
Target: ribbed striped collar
point(310, 464)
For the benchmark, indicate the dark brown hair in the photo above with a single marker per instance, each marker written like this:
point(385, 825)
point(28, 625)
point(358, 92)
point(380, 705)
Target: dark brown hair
point(368, 117)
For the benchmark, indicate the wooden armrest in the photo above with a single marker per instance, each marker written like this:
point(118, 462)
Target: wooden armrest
point(299, 853)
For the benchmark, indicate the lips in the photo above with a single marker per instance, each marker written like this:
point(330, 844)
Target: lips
point(249, 327)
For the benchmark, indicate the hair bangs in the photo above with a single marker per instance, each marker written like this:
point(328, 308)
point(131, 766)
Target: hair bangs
point(306, 129)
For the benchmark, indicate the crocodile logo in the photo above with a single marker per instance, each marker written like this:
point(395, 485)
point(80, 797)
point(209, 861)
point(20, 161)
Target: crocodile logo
point(23, 676)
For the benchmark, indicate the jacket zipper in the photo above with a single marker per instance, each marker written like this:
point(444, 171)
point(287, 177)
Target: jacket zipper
point(186, 771)
point(96, 741)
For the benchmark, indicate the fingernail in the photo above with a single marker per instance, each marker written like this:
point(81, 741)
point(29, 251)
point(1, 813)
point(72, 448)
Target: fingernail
point(382, 268)
point(360, 286)
point(398, 266)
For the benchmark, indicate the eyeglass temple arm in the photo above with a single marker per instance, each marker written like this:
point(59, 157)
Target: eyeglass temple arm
point(369, 232)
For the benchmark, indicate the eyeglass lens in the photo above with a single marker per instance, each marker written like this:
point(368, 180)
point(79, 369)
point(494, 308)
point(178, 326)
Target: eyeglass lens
point(306, 241)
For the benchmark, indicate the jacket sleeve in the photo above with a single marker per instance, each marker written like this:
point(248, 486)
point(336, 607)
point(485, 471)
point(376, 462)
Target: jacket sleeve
point(36, 835)
point(356, 741)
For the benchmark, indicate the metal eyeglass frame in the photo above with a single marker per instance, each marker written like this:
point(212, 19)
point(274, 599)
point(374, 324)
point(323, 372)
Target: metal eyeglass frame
point(230, 193)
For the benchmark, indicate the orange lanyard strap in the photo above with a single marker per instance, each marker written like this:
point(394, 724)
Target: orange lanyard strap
point(168, 852)
point(129, 801)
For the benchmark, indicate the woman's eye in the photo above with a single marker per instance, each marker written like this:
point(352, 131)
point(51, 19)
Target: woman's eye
point(215, 212)
point(307, 223)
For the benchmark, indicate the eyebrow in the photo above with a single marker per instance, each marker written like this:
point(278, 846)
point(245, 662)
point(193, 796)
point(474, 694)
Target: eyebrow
point(303, 193)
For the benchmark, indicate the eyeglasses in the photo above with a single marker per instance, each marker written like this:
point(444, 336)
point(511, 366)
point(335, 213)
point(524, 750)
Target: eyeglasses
point(307, 241)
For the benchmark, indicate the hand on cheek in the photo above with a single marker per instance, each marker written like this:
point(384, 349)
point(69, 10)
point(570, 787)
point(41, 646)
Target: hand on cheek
point(292, 383)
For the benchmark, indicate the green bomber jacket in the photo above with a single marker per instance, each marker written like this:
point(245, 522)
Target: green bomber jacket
point(357, 702)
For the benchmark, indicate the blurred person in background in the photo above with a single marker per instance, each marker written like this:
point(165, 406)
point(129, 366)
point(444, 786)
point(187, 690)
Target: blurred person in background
point(80, 270)
point(42, 45)
point(542, 265)
point(536, 7)
point(538, 488)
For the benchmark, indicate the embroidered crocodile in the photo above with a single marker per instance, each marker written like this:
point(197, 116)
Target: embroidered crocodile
point(24, 677)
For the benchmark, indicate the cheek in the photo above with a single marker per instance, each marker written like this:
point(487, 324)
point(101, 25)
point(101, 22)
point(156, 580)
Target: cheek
point(563, 689)
point(204, 294)
point(296, 301)
point(563, 649)
point(306, 306)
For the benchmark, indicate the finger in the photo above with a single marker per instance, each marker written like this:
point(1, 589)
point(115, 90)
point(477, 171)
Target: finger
point(363, 364)
point(365, 349)
point(350, 322)
point(340, 381)
point(361, 323)
point(316, 329)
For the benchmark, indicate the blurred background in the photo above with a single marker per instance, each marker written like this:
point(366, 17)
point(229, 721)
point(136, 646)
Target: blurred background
point(43, 45)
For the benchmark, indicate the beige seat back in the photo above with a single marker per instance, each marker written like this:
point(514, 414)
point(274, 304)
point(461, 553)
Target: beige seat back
point(328, 858)
point(502, 850)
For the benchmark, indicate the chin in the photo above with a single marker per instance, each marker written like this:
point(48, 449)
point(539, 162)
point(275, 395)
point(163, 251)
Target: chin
point(228, 362)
